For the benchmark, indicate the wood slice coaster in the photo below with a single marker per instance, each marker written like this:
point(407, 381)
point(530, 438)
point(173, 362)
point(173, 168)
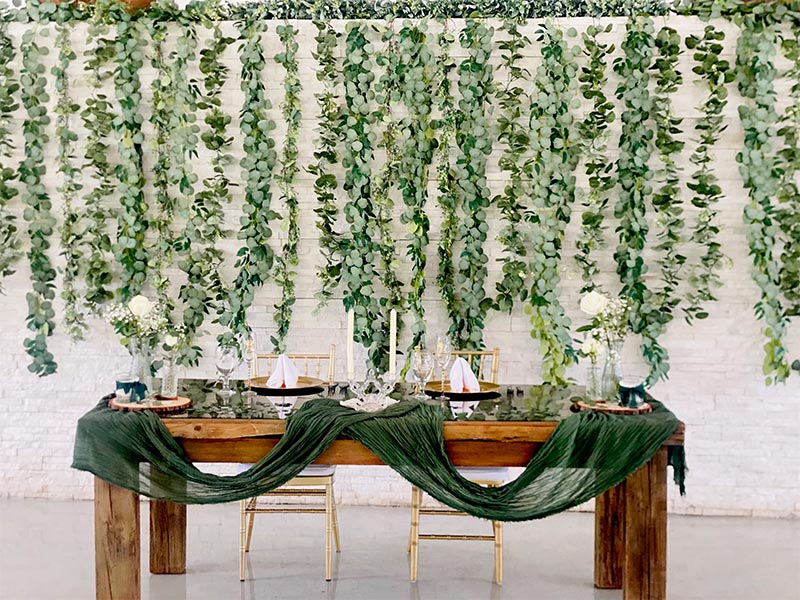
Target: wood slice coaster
point(157, 405)
point(616, 408)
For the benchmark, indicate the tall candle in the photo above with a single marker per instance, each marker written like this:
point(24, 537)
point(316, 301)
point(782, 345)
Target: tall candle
point(351, 373)
point(392, 342)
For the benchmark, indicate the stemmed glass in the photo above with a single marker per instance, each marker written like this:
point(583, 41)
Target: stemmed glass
point(226, 360)
point(249, 354)
point(422, 369)
point(442, 355)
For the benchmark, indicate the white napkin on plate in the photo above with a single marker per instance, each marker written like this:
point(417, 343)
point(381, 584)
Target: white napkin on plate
point(462, 379)
point(284, 375)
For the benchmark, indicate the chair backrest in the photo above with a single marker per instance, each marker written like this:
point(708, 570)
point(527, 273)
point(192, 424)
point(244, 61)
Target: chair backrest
point(478, 360)
point(309, 364)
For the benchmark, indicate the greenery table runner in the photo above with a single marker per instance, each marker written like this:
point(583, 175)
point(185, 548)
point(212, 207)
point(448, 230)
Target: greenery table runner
point(586, 454)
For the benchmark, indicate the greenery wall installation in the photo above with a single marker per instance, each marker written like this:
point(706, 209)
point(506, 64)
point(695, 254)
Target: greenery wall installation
point(410, 117)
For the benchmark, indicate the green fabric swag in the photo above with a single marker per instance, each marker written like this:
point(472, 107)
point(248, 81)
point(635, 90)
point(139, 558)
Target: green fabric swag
point(586, 454)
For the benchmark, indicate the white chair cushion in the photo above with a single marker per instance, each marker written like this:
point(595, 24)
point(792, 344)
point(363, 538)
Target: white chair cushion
point(309, 471)
point(493, 474)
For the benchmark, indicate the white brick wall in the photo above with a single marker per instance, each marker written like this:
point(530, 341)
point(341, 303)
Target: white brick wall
point(742, 438)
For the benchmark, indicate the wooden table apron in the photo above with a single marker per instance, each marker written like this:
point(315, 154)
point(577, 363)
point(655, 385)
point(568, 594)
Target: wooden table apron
point(630, 519)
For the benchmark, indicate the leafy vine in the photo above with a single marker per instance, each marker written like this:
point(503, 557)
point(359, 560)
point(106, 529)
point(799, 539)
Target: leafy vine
point(292, 113)
point(10, 251)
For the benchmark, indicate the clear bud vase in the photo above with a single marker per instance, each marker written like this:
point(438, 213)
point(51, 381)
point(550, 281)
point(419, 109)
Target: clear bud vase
point(594, 376)
point(612, 373)
point(169, 383)
point(141, 363)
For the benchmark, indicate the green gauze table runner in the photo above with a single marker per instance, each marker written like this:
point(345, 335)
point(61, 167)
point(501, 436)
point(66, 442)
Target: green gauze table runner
point(586, 454)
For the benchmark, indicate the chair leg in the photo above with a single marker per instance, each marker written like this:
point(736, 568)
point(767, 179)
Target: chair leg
point(252, 519)
point(335, 522)
point(416, 500)
point(328, 529)
point(242, 535)
point(498, 551)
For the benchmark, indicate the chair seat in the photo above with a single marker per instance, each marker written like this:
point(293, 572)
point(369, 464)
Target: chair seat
point(309, 471)
point(488, 474)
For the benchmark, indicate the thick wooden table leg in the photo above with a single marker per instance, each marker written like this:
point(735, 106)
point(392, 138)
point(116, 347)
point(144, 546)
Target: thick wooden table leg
point(167, 537)
point(116, 543)
point(645, 567)
point(609, 538)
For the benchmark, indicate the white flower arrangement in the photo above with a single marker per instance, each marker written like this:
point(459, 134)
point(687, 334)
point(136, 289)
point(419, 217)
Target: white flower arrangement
point(609, 324)
point(139, 318)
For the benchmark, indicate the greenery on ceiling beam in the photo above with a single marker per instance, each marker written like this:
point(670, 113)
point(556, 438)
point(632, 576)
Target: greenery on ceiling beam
point(255, 259)
point(715, 73)
point(38, 205)
point(10, 250)
point(326, 156)
point(551, 172)
point(755, 76)
point(514, 134)
point(594, 147)
point(474, 141)
point(291, 110)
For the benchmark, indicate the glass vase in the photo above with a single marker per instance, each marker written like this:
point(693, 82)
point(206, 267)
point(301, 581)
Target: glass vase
point(169, 382)
point(612, 373)
point(141, 363)
point(594, 378)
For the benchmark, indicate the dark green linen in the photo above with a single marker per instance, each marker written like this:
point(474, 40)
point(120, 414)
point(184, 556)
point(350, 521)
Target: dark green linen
point(586, 454)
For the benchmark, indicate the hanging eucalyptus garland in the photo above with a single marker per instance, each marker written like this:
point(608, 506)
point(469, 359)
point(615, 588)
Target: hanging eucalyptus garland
point(513, 133)
point(38, 205)
point(594, 147)
point(72, 228)
point(291, 109)
point(98, 118)
point(704, 276)
point(326, 157)
point(551, 172)
point(256, 257)
point(10, 251)
point(474, 141)
point(755, 75)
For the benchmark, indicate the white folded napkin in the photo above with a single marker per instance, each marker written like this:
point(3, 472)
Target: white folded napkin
point(462, 379)
point(284, 375)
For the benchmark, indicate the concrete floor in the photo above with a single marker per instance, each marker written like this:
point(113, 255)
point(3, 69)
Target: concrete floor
point(46, 552)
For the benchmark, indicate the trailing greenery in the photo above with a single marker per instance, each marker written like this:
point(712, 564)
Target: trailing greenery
point(513, 133)
point(704, 276)
point(755, 76)
point(38, 205)
point(256, 257)
point(326, 156)
point(551, 172)
point(594, 146)
point(473, 197)
point(10, 250)
point(291, 109)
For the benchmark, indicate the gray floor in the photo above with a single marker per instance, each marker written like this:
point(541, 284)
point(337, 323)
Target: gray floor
point(46, 553)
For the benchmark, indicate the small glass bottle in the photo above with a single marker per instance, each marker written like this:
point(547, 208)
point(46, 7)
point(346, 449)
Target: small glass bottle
point(169, 384)
point(612, 373)
point(594, 376)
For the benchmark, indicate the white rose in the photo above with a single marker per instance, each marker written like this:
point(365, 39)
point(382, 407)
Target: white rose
point(591, 347)
point(170, 340)
point(594, 303)
point(140, 306)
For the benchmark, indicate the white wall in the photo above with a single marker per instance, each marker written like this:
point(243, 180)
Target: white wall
point(742, 437)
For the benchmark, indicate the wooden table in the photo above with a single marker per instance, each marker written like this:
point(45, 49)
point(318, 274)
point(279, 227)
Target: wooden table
point(630, 519)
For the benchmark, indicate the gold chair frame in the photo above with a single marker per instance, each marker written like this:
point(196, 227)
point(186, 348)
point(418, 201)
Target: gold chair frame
point(471, 356)
point(300, 486)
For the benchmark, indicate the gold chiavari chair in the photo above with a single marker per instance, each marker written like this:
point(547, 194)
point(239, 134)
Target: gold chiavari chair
point(487, 476)
point(314, 480)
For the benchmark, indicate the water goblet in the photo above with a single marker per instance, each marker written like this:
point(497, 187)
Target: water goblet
point(442, 355)
point(226, 360)
point(250, 355)
point(422, 369)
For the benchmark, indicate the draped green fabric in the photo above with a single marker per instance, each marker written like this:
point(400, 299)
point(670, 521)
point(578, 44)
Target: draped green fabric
point(586, 454)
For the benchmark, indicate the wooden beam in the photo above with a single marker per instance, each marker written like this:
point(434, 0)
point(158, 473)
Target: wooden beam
point(167, 537)
point(116, 543)
point(609, 538)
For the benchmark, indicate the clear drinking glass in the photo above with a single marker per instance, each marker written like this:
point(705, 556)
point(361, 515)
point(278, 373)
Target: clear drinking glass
point(422, 369)
point(442, 355)
point(226, 360)
point(249, 354)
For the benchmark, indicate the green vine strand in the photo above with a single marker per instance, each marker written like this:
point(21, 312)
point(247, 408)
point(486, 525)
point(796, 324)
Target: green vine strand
point(755, 75)
point(204, 292)
point(38, 205)
point(594, 141)
point(634, 176)
point(513, 133)
point(130, 249)
point(291, 109)
point(10, 251)
point(98, 119)
point(667, 199)
point(326, 156)
point(551, 172)
point(445, 174)
point(256, 257)
point(72, 228)
point(704, 276)
point(474, 142)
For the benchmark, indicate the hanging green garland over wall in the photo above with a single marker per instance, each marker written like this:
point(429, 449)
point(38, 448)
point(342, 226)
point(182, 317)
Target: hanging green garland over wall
point(10, 251)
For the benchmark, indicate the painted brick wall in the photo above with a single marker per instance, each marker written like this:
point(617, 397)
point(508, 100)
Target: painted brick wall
point(742, 438)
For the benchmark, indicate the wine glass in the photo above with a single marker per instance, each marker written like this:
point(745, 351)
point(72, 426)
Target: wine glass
point(250, 355)
point(226, 360)
point(422, 369)
point(442, 355)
